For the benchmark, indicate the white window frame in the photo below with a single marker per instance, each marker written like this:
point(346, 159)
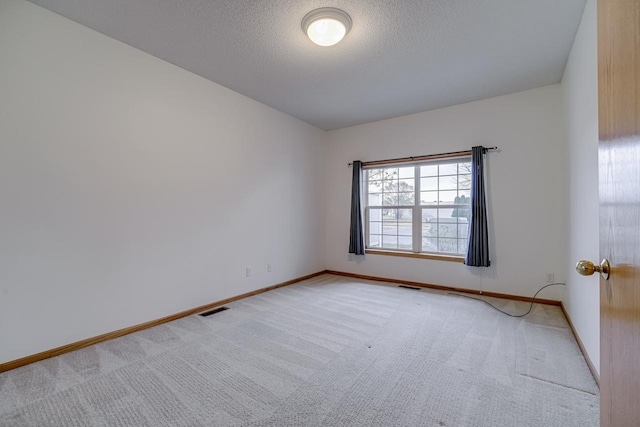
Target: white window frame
point(417, 207)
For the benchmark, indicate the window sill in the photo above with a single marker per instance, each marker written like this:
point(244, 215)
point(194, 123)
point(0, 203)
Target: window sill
point(450, 258)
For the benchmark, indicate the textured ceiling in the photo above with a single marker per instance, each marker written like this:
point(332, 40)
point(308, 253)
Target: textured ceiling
point(400, 57)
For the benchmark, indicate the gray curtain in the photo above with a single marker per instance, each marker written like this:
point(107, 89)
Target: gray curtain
point(478, 249)
point(356, 239)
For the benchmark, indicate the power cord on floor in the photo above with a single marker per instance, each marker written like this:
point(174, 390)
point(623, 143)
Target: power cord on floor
point(504, 312)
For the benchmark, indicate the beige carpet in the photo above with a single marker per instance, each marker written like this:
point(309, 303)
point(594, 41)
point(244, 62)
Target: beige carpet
point(329, 351)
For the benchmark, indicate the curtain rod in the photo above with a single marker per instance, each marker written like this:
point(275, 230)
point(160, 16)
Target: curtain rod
point(408, 159)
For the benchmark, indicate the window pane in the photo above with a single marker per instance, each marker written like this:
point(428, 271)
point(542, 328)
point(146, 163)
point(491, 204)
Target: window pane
point(429, 214)
point(389, 215)
point(449, 182)
point(375, 227)
point(463, 229)
point(405, 215)
point(405, 242)
point(375, 214)
point(464, 182)
point(429, 197)
point(462, 246)
point(407, 172)
point(465, 193)
point(406, 199)
point(406, 185)
point(447, 230)
point(430, 229)
point(429, 184)
point(375, 186)
point(447, 197)
point(405, 229)
point(430, 244)
point(445, 216)
point(399, 221)
point(449, 169)
point(390, 174)
point(464, 167)
point(389, 229)
point(462, 213)
point(375, 241)
point(389, 199)
point(375, 174)
point(390, 242)
point(375, 199)
point(448, 245)
point(429, 170)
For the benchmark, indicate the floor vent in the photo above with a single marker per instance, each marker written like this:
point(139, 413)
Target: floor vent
point(409, 287)
point(214, 311)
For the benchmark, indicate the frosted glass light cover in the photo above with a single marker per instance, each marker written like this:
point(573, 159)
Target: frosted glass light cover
point(326, 26)
point(326, 32)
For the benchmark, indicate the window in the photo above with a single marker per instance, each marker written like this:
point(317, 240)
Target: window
point(419, 207)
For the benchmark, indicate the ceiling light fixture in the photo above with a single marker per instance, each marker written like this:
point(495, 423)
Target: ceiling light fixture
point(326, 26)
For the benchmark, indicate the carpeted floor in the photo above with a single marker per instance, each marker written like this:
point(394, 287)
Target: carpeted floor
point(330, 351)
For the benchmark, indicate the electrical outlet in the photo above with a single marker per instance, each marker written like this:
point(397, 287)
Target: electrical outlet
point(268, 268)
point(248, 272)
point(550, 278)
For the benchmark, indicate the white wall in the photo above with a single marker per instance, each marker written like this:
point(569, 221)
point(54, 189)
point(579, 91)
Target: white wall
point(580, 91)
point(525, 189)
point(132, 189)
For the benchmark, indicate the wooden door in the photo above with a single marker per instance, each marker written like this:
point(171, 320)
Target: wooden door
point(619, 170)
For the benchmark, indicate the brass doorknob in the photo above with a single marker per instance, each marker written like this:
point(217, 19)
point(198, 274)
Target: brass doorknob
point(587, 268)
